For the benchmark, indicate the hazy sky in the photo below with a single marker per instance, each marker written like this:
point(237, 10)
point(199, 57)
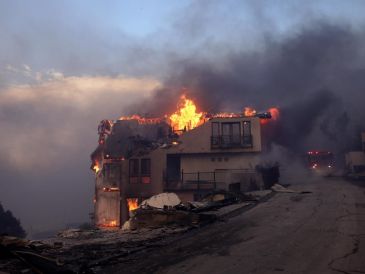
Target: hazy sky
point(66, 65)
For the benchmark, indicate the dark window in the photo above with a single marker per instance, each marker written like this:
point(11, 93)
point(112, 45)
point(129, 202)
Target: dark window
point(215, 139)
point(247, 137)
point(231, 134)
point(133, 168)
point(146, 171)
point(173, 172)
point(215, 129)
point(145, 167)
point(112, 171)
point(246, 128)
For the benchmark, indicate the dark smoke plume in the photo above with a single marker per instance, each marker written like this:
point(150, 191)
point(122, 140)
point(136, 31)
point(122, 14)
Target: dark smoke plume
point(313, 76)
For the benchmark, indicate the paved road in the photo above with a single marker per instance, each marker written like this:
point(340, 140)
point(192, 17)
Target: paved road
point(321, 232)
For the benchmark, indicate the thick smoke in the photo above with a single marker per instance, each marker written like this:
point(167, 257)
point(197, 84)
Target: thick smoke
point(313, 76)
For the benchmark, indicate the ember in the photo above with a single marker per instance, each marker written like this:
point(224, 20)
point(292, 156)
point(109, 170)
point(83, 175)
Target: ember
point(186, 117)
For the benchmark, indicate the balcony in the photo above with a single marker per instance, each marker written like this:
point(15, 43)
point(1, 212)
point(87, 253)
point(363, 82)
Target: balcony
point(202, 182)
point(231, 141)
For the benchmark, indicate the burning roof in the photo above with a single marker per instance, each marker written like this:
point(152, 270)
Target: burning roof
point(134, 134)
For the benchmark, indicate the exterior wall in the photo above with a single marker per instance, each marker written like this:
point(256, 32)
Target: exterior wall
point(107, 202)
point(230, 165)
point(355, 160)
point(212, 162)
point(140, 190)
point(198, 140)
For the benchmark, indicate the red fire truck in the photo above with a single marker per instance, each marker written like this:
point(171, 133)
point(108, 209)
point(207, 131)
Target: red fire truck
point(321, 161)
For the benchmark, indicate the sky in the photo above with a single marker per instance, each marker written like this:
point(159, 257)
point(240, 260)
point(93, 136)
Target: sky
point(66, 65)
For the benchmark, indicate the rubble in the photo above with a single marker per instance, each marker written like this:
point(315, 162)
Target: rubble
point(76, 233)
point(26, 255)
point(90, 250)
point(162, 200)
point(282, 189)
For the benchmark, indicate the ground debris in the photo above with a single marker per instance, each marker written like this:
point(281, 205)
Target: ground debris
point(282, 189)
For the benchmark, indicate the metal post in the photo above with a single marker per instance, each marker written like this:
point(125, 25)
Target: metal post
point(215, 184)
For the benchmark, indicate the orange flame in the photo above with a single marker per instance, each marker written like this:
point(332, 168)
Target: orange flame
point(132, 203)
point(112, 223)
point(186, 117)
point(96, 167)
point(226, 115)
point(142, 120)
point(249, 112)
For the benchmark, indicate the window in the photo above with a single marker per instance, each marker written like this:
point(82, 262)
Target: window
point(146, 167)
point(146, 171)
point(140, 171)
point(133, 168)
point(246, 128)
point(215, 139)
point(215, 129)
point(247, 137)
point(231, 134)
point(111, 171)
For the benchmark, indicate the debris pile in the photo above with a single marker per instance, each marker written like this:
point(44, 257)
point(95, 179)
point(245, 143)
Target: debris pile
point(167, 209)
point(156, 222)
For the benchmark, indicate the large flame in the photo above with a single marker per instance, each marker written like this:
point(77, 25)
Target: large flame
point(186, 117)
point(132, 203)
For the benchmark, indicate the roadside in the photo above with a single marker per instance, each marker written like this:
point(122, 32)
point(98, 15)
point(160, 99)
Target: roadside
point(318, 232)
point(90, 251)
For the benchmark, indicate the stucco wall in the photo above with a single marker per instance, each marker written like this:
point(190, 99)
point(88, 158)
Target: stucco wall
point(198, 140)
point(355, 158)
point(211, 162)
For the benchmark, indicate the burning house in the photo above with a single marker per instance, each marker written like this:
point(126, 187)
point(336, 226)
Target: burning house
point(188, 153)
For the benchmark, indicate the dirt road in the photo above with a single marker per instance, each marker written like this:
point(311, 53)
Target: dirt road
point(320, 232)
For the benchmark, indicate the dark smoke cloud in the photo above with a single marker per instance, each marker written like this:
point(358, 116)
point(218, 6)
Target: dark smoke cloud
point(313, 76)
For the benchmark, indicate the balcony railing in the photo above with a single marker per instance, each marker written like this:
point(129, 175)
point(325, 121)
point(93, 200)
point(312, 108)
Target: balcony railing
point(203, 181)
point(231, 141)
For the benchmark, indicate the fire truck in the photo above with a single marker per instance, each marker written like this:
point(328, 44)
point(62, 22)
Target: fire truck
point(320, 161)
